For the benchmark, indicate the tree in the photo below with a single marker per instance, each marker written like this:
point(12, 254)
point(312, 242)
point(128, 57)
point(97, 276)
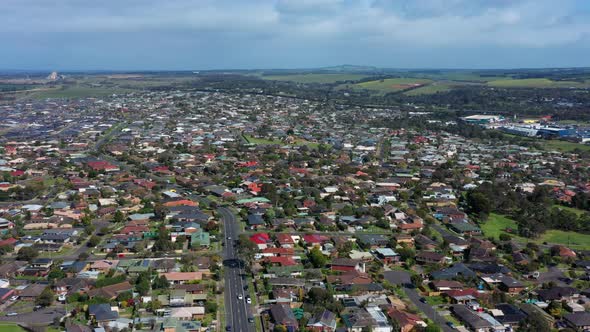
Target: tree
point(211, 307)
point(479, 203)
point(534, 322)
point(160, 283)
point(316, 258)
point(93, 241)
point(416, 280)
point(46, 298)
point(246, 248)
point(27, 254)
point(163, 242)
point(118, 217)
point(142, 283)
point(56, 273)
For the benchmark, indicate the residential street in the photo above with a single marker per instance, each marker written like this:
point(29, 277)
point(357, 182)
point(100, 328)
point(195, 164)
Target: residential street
point(236, 311)
point(427, 309)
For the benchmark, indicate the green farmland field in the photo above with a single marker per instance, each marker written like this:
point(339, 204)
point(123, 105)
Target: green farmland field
point(535, 83)
point(392, 84)
point(430, 89)
point(315, 78)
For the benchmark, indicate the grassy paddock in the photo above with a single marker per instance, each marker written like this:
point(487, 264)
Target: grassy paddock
point(535, 83)
point(392, 84)
point(315, 78)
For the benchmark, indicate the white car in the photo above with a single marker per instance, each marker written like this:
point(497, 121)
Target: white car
point(14, 298)
point(240, 297)
point(248, 300)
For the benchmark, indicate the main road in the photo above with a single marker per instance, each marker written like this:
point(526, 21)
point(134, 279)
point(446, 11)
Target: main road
point(237, 311)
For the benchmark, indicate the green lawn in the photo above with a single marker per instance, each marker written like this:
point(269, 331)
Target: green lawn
point(497, 224)
point(393, 84)
point(10, 327)
point(551, 145)
point(264, 141)
point(572, 240)
point(435, 300)
point(535, 83)
point(315, 78)
point(578, 212)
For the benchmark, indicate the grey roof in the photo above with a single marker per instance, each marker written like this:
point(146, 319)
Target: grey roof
point(578, 319)
point(102, 312)
point(470, 318)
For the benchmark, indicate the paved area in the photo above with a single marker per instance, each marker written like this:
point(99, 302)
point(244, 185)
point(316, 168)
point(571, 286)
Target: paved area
point(237, 311)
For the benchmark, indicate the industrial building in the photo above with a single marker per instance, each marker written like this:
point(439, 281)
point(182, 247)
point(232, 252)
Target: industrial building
point(482, 119)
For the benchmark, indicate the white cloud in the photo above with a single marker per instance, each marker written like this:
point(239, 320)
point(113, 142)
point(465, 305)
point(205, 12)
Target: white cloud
point(519, 23)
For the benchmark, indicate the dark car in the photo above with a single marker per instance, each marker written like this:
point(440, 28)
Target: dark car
point(250, 319)
point(423, 300)
point(228, 328)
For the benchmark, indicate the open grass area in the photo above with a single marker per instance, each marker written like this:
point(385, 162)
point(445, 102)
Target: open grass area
point(10, 327)
point(315, 78)
point(572, 240)
point(264, 141)
point(554, 145)
point(563, 146)
point(535, 83)
point(430, 89)
point(393, 84)
point(78, 92)
point(498, 224)
point(577, 211)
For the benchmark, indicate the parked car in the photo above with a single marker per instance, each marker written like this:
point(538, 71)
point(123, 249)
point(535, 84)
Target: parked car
point(12, 314)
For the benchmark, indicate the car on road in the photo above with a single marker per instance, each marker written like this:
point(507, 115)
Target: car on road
point(423, 300)
point(451, 325)
point(229, 237)
point(248, 300)
point(250, 319)
point(38, 307)
point(12, 314)
point(228, 328)
point(240, 297)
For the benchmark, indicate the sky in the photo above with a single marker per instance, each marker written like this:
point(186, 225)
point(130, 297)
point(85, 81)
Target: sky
point(254, 34)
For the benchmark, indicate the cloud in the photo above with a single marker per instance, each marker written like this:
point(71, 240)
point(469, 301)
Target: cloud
point(307, 27)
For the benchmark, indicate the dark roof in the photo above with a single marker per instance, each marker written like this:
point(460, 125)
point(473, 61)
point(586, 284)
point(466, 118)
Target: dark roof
point(397, 277)
point(489, 268)
point(102, 312)
point(556, 293)
point(578, 319)
point(282, 314)
point(455, 271)
point(469, 317)
point(512, 314)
